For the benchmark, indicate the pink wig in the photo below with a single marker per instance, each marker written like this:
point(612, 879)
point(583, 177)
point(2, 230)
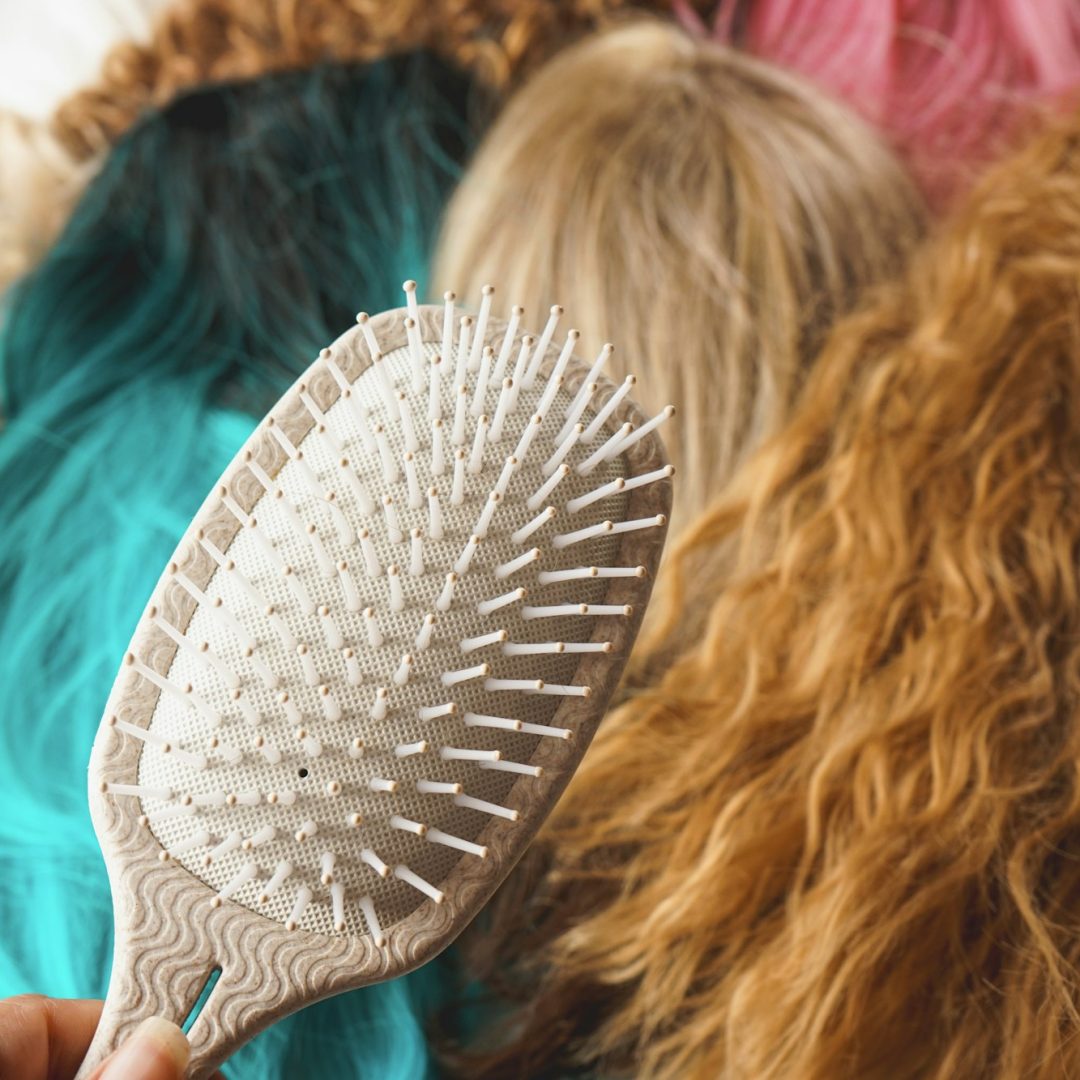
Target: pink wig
point(949, 83)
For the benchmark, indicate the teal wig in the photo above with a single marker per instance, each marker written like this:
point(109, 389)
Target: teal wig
point(227, 239)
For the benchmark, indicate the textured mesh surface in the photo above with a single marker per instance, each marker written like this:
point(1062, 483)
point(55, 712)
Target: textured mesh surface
point(253, 776)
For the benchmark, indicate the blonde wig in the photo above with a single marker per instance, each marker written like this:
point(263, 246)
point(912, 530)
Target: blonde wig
point(708, 212)
point(840, 835)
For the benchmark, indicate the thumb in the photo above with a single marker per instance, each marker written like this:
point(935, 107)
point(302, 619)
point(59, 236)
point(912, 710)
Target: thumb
point(156, 1050)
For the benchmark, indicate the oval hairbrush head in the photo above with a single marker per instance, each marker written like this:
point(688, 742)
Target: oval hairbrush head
point(371, 667)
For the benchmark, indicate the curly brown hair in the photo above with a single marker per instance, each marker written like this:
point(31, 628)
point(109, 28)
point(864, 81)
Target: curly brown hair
point(839, 833)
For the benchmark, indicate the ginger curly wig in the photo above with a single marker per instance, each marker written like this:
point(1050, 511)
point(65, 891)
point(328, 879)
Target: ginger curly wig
point(838, 833)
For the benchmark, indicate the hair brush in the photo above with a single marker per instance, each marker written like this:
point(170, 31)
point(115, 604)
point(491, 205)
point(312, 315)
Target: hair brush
point(370, 668)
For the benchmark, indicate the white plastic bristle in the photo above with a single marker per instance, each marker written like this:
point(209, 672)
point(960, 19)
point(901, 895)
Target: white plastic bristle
point(312, 746)
point(528, 686)
point(548, 732)
point(271, 553)
point(437, 787)
point(385, 382)
point(416, 355)
point(486, 807)
point(609, 407)
point(352, 667)
point(378, 783)
point(665, 473)
point(437, 836)
point(397, 595)
point(639, 523)
point(268, 750)
point(521, 535)
point(433, 712)
point(415, 498)
point(393, 522)
point(337, 904)
point(367, 909)
point(195, 841)
point(424, 634)
point(405, 824)
point(605, 451)
point(541, 347)
point(448, 323)
point(303, 898)
point(312, 406)
point(286, 797)
point(521, 365)
point(390, 470)
point(229, 844)
point(408, 428)
point(461, 401)
point(306, 831)
point(487, 607)
point(417, 882)
point(465, 753)
point(504, 570)
point(434, 409)
point(372, 342)
point(348, 587)
point(483, 523)
point(509, 467)
point(281, 873)
point(562, 690)
point(555, 378)
point(464, 335)
point(486, 294)
point(371, 625)
point(476, 458)
point(209, 798)
point(590, 380)
point(330, 628)
point(409, 288)
point(354, 820)
point(613, 487)
point(538, 499)
point(326, 867)
point(368, 857)
point(411, 749)
point(453, 678)
point(364, 502)
point(370, 556)
point(231, 504)
point(562, 540)
point(527, 436)
point(573, 421)
point(512, 766)
point(229, 753)
point(471, 644)
point(533, 648)
point(281, 438)
point(561, 450)
point(647, 428)
point(261, 836)
point(404, 670)
point(307, 665)
point(554, 611)
point(446, 597)
point(464, 560)
point(502, 410)
point(356, 749)
point(381, 705)
point(140, 791)
point(322, 556)
point(416, 553)
point(550, 577)
point(303, 597)
point(438, 456)
point(245, 874)
point(499, 371)
point(457, 491)
point(258, 471)
point(281, 628)
point(500, 723)
point(148, 673)
point(480, 391)
point(215, 607)
point(331, 709)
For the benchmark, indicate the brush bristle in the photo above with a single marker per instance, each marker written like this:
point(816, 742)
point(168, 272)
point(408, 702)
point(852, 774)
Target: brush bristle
point(394, 604)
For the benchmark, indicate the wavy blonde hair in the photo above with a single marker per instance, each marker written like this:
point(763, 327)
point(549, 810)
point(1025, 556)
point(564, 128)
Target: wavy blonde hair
point(840, 834)
point(708, 212)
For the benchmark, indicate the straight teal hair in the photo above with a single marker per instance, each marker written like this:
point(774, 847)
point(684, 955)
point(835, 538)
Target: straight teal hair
point(226, 240)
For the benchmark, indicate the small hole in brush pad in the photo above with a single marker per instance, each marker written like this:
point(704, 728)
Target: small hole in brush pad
point(200, 1001)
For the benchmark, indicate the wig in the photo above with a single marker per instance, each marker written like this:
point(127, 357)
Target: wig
point(839, 835)
point(226, 239)
point(952, 84)
point(709, 213)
